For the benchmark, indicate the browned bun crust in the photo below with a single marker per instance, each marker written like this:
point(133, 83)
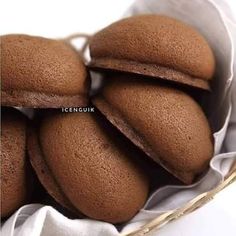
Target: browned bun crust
point(40, 72)
point(43, 172)
point(15, 173)
point(156, 46)
point(165, 122)
point(84, 167)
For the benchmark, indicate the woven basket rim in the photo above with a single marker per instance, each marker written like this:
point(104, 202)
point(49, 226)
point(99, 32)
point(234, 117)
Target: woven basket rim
point(189, 207)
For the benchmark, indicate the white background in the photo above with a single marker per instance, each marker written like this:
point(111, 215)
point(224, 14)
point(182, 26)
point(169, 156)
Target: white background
point(60, 18)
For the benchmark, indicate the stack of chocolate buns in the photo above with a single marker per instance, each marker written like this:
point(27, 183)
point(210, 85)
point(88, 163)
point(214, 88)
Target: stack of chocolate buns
point(96, 164)
point(79, 158)
point(158, 56)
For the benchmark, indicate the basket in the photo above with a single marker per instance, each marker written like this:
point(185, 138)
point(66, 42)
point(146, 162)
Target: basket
point(191, 206)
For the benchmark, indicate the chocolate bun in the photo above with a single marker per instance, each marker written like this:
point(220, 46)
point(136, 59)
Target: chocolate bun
point(87, 168)
point(16, 175)
point(156, 46)
point(40, 72)
point(165, 122)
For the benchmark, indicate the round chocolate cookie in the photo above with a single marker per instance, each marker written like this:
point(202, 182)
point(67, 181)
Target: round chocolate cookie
point(15, 169)
point(85, 166)
point(40, 72)
point(163, 121)
point(156, 46)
